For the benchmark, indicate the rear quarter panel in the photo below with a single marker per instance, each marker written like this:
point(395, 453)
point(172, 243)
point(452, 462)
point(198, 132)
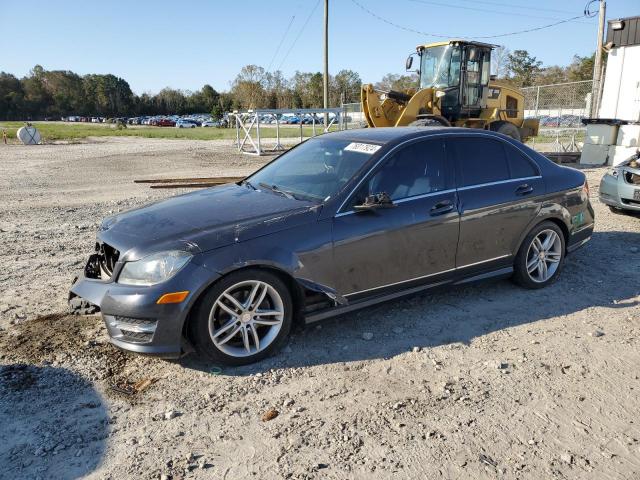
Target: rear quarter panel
point(566, 201)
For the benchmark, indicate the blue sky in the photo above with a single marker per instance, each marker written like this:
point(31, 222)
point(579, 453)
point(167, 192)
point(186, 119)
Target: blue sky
point(185, 44)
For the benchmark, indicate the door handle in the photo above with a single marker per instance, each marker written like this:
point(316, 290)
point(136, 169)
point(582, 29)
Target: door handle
point(524, 189)
point(441, 207)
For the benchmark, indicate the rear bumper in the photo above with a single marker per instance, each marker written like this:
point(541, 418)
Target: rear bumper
point(134, 320)
point(577, 243)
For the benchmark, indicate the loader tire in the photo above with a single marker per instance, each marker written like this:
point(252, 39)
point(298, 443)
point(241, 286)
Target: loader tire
point(506, 128)
point(434, 121)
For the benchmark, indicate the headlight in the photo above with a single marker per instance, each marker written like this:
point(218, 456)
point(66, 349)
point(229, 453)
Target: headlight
point(153, 269)
point(614, 172)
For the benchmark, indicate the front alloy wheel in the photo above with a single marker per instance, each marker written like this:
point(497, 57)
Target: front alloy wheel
point(540, 257)
point(243, 318)
point(246, 318)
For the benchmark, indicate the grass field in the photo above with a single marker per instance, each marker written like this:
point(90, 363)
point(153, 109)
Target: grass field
point(51, 131)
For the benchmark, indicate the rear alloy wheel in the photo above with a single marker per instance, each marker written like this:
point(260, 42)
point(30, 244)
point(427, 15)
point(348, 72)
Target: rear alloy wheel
point(540, 257)
point(243, 318)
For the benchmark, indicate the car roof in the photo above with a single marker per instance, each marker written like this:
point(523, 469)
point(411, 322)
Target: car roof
point(388, 135)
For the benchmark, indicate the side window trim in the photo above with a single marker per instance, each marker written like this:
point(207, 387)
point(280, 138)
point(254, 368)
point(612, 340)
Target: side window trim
point(446, 138)
point(499, 182)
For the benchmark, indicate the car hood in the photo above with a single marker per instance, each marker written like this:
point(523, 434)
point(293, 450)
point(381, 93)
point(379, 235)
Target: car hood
point(203, 220)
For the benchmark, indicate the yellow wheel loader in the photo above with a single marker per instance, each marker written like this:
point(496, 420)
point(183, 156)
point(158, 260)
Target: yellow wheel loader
point(456, 89)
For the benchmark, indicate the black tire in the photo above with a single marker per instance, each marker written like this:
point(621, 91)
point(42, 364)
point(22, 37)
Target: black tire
point(521, 275)
point(434, 121)
point(198, 327)
point(506, 128)
point(616, 210)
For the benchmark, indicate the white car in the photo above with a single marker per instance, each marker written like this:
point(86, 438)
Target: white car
point(185, 124)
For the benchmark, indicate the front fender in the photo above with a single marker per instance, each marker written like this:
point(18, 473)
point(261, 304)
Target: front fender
point(303, 253)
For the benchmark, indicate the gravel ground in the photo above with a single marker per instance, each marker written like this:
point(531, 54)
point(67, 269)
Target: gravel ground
point(486, 381)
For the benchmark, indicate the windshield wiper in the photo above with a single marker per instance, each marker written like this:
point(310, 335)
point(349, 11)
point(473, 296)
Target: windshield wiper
point(248, 183)
point(274, 188)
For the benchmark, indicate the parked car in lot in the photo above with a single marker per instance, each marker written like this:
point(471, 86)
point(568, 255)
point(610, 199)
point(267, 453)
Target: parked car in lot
point(165, 122)
point(340, 222)
point(620, 186)
point(184, 124)
point(211, 123)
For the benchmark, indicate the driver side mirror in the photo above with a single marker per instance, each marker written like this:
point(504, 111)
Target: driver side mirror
point(374, 202)
point(409, 62)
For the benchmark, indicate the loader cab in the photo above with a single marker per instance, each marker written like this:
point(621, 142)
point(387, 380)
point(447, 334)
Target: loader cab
point(460, 71)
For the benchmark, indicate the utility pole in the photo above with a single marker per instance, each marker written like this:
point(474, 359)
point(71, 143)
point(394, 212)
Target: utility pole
point(597, 64)
point(326, 61)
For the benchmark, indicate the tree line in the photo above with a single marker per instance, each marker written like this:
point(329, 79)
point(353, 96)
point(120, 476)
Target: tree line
point(58, 93)
point(51, 94)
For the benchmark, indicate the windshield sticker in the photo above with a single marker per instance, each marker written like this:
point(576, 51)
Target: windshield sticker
point(362, 148)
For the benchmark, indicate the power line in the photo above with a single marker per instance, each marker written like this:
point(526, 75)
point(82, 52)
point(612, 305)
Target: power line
point(389, 22)
point(441, 35)
point(281, 42)
point(299, 34)
point(522, 7)
point(493, 11)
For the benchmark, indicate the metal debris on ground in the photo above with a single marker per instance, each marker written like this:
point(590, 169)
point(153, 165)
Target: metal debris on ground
point(487, 460)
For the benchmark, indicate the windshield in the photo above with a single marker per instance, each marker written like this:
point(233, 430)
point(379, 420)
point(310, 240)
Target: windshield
point(314, 170)
point(440, 66)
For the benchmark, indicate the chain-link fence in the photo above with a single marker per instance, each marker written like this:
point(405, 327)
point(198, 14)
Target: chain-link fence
point(352, 116)
point(559, 108)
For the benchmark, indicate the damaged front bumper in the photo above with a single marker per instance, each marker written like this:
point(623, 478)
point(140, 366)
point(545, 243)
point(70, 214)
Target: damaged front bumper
point(134, 319)
point(620, 188)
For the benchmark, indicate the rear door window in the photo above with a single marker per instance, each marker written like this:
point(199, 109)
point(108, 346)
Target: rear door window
point(519, 165)
point(479, 160)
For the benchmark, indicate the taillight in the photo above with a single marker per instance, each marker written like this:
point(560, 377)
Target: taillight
point(585, 187)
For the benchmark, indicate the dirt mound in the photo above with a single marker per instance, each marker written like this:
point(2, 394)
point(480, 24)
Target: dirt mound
point(79, 342)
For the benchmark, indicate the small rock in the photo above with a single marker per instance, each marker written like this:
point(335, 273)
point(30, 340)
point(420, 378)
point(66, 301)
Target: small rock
point(596, 333)
point(502, 365)
point(567, 458)
point(415, 349)
point(288, 402)
point(367, 336)
point(171, 414)
point(270, 415)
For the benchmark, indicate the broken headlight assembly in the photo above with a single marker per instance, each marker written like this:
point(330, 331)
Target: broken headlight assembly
point(153, 269)
point(614, 172)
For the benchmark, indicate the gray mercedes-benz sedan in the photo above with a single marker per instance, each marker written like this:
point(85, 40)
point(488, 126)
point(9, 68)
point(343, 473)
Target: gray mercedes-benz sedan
point(339, 222)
